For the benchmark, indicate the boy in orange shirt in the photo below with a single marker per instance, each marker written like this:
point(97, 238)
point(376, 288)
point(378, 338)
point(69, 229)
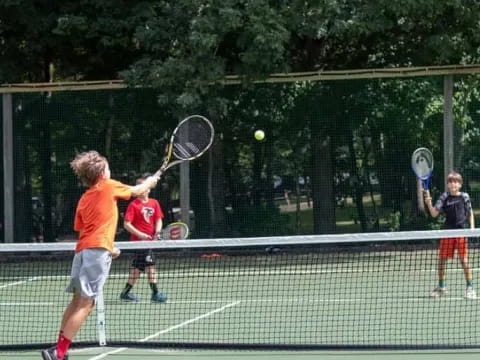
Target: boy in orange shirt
point(96, 220)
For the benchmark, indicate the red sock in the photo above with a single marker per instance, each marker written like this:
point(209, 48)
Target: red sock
point(62, 346)
point(60, 334)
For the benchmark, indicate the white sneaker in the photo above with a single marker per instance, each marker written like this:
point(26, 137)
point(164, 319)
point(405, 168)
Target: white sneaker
point(438, 292)
point(470, 293)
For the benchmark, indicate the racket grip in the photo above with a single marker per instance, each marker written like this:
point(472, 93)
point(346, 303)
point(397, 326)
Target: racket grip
point(426, 195)
point(159, 173)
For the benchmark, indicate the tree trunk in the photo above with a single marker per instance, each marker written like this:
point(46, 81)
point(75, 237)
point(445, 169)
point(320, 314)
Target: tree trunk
point(297, 201)
point(269, 191)
point(419, 196)
point(46, 171)
point(366, 152)
point(216, 190)
point(358, 191)
point(199, 197)
point(322, 182)
point(24, 222)
point(109, 128)
point(257, 173)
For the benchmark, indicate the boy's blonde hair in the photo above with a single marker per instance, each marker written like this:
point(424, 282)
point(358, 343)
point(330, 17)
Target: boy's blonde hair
point(89, 166)
point(454, 176)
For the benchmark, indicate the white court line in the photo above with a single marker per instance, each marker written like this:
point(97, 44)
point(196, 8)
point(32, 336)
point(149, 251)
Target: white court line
point(179, 302)
point(28, 304)
point(316, 300)
point(16, 283)
point(281, 300)
point(196, 274)
point(19, 282)
point(116, 351)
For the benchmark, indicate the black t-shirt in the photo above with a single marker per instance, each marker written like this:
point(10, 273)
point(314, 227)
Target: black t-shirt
point(457, 209)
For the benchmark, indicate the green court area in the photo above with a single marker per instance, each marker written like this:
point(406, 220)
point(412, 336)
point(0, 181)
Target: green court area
point(135, 354)
point(342, 299)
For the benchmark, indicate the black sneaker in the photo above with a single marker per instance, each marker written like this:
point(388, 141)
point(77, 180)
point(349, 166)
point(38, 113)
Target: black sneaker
point(51, 354)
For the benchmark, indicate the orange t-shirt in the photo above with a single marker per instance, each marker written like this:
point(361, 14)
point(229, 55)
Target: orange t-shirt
point(96, 217)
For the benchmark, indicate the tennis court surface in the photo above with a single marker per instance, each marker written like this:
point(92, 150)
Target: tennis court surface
point(253, 297)
point(135, 354)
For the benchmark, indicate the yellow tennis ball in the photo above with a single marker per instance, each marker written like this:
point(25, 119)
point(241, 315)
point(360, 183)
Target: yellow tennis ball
point(259, 135)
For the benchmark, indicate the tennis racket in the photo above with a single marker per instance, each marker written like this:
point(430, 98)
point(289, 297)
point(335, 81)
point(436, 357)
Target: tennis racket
point(174, 231)
point(190, 139)
point(422, 165)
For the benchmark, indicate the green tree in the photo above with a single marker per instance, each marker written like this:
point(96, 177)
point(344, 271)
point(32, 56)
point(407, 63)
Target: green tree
point(186, 48)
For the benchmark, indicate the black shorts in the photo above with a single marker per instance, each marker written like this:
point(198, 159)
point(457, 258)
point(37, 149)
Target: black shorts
point(143, 259)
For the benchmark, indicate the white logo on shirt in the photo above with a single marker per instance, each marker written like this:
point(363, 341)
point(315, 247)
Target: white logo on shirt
point(147, 213)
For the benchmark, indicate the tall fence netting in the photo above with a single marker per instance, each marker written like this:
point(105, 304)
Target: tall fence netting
point(335, 158)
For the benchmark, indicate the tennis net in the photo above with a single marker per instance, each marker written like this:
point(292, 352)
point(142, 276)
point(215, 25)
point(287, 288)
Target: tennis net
point(300, 292)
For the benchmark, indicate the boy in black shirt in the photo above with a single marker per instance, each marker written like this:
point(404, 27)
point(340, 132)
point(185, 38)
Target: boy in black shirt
point(457, 208)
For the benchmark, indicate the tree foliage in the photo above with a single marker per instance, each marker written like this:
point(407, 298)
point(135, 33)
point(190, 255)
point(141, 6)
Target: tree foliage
point(184, 49)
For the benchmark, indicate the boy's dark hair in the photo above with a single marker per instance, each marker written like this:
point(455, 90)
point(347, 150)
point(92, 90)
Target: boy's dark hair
point(454, 176)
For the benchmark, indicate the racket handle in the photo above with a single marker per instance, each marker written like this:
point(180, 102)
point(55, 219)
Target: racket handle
point(426, 183)
point(159, 173)
point(426, 195)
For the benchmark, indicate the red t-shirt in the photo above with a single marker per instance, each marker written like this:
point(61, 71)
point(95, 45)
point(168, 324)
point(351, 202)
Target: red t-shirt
point(143, 216)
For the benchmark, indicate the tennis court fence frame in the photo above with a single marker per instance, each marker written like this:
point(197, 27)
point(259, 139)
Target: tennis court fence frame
point(6, 90)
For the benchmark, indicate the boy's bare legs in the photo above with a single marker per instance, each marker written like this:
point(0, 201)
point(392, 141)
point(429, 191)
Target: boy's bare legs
point(441, 271)
point(466, 268)
point(132, 279)
point(72, 320)
point(152, 280)
point(134, 275)
point(152, 274)
point(75, 315)
point(441, 289)
point(470, 292)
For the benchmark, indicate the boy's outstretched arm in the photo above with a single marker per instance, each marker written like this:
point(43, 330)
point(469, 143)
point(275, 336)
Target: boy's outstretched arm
point(428, 200)
point(148, 184)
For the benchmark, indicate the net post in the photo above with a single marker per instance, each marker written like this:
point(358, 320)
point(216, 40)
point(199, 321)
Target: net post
point(102, 337)
point(447, 126)
point(8, 186)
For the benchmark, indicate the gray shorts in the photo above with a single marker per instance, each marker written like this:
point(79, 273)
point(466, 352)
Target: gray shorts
point(90, 269)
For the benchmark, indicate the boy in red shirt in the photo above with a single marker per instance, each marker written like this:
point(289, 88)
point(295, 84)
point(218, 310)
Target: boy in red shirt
point(96, 220)
point(143, 220)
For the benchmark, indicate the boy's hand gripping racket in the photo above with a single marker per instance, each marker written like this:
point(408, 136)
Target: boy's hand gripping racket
point(190, 139)
point(422, 165)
